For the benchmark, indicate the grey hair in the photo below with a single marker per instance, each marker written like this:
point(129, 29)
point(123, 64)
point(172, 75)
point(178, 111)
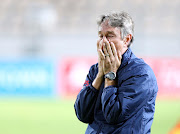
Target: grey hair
point(122, 20)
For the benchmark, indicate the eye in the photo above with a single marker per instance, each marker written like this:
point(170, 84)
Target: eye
point(110, 35)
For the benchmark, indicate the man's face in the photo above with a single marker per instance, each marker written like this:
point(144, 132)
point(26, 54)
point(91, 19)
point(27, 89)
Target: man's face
point(112, 34)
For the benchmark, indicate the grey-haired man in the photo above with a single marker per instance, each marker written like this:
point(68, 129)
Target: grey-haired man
point(120, 95)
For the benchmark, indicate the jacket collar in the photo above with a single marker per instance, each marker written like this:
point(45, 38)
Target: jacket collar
point(126, 57)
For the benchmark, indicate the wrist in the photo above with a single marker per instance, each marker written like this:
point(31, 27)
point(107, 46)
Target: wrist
point(111, 70)
point(109, 82)
point(97, 81)
point(100, 75)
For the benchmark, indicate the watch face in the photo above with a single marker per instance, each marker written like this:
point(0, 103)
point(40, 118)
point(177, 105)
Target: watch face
point(110, 75)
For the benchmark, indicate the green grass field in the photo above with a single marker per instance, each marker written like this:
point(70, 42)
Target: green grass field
point(25, 116)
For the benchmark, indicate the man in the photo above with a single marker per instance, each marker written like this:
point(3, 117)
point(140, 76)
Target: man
point(119, 94)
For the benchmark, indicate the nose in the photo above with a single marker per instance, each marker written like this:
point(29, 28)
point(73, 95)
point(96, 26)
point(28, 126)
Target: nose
point(104, 38)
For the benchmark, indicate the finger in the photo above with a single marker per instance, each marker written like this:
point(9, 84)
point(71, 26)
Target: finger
point(105, 50)
point(98, 41)
point(101, 54)
point(99, 44)
point(113, 48)
point(108, 48)
point(119, 55)
point(107, 56)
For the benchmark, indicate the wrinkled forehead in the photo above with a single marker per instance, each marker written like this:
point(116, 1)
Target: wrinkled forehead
point(105, 27)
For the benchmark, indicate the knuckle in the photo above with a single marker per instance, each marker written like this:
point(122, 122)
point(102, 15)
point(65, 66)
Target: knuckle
point(107, 62)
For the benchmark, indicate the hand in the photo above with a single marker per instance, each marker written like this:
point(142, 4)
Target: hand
point(112, 57)
point(101, 58)
point(99, 78)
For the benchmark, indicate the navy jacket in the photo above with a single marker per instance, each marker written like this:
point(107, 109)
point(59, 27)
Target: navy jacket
point(124, 109)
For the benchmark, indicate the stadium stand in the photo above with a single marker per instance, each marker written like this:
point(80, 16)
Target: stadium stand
point(46, 18)
point(73, 14)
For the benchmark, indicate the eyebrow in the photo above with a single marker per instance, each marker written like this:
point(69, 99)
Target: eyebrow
point(108, 32)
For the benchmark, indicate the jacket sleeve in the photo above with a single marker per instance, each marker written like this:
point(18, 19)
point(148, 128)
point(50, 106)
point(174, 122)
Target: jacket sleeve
point(120, 103)
point(86, 99)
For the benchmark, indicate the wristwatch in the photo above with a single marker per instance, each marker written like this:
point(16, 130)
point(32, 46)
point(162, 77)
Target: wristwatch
point(110, 75)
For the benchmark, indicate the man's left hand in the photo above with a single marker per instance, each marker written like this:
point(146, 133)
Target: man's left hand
point(112, 57)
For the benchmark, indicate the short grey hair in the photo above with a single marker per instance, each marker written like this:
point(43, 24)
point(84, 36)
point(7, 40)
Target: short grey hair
point(122, 20)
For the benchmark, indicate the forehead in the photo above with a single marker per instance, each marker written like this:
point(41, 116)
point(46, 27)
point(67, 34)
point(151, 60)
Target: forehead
point(105, 27)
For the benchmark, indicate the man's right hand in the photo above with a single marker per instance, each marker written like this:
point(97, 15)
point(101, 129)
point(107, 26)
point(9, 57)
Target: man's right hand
point(101, 58)
point(99, 78)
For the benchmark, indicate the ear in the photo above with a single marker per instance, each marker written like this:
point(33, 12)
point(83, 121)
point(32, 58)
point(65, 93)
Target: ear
point(127, 40)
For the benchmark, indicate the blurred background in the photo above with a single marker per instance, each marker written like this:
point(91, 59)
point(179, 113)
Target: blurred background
point(48, 46)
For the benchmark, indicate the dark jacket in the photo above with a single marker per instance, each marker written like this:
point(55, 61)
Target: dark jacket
point(124, 109)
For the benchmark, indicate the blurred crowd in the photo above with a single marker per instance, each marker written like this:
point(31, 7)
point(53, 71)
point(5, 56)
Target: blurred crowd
point(47, 28)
